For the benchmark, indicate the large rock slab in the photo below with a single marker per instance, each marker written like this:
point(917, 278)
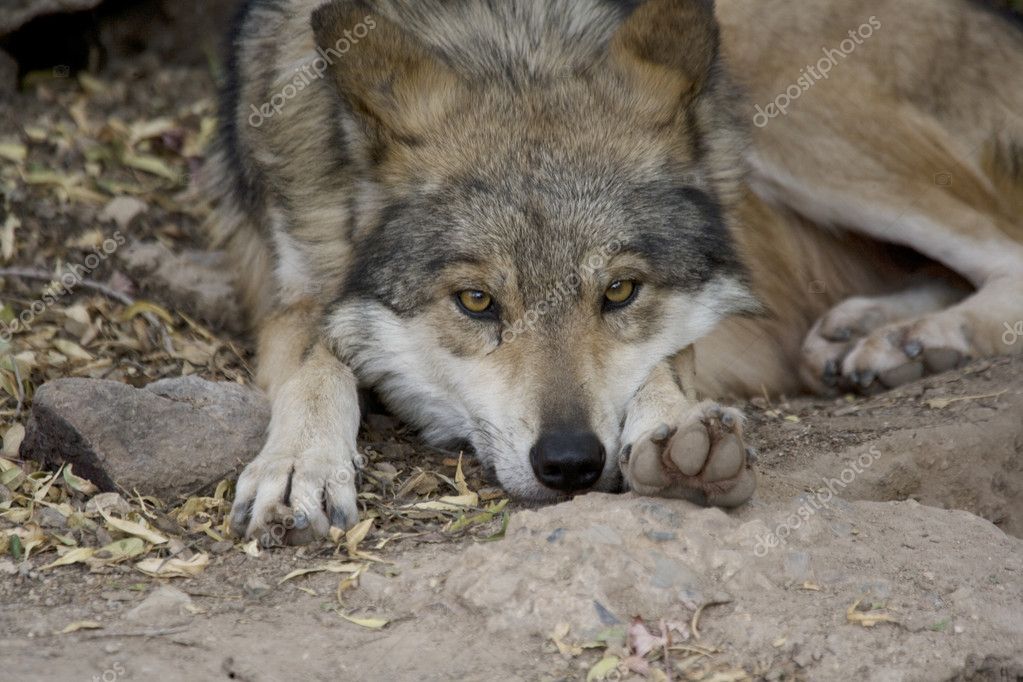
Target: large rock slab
point(170, 438)
point(16, 13)
point(951, 582)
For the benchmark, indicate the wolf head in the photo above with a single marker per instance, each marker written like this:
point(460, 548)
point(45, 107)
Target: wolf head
point(543, 218)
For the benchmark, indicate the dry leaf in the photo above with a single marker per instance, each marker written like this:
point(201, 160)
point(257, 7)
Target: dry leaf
point(371, 623)
point(81, 625)
point(174, 567)
point(81, 554)
point(132, 528)
point(867, 619)
point(602, 668)
point(335, 567)
point(451, 503)
point(357, 534)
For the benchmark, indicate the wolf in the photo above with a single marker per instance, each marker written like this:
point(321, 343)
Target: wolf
point(560, 230)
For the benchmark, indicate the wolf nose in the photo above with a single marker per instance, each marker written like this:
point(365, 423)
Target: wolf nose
point(568, 460)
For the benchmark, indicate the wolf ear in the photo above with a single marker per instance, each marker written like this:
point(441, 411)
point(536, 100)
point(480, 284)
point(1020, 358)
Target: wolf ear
point(665, 51)
point(393, 84)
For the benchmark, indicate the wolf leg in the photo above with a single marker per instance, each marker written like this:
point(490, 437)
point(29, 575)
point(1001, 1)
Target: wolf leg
point(303, 481)
point(675, 446)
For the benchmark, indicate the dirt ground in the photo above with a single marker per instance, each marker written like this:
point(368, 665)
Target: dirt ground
point(403, 602)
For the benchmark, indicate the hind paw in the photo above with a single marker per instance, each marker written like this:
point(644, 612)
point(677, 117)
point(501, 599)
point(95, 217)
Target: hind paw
point(889, 355)
point(700, 456)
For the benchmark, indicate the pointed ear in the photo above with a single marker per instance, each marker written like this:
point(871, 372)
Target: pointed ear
point(393, 84)
point(665, 51)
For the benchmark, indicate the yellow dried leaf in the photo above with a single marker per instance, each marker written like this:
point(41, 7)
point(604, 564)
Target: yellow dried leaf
point(460, 484)
point(357, 534)
point(78, 483)
point(143, 307)
point(75, 556)
point(334, 567)
point(7, 241)
point(867, 619)
point(12, 440)
point(449, 503)
point(119, 550)
point(81, 625)
point(173, 567)
point(602, 668)
point(371, 623)
point(150, 164)
point(132, 528)
point(13, 151)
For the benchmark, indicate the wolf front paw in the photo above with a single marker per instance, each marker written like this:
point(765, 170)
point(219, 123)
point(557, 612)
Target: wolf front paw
point(293, 498)
point(700, 456)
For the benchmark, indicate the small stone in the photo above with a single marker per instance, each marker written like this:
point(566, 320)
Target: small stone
point(48, 517)
point(256, 588)
point(170, 438)
point(108, 502)
point(221, 547)
point(122, 210)
point(165, 606)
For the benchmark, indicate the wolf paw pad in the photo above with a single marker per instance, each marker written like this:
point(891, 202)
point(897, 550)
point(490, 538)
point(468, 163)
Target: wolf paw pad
point(701, 457)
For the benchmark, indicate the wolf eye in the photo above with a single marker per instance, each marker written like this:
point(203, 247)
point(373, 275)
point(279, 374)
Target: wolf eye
point(475, 302)
point(620, 293)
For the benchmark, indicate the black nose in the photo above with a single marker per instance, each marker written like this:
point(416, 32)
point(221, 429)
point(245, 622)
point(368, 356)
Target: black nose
point(567, 460)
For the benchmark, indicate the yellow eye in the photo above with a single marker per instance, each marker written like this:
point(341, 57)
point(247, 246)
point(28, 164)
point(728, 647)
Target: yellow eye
point(620, 292)
point(475, 301)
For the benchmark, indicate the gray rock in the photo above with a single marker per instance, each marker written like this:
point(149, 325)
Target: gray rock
point(166, 606)
point(256, 588)
point(756, 604)
point(198, 281)
point(172, 437)
point(16, 13)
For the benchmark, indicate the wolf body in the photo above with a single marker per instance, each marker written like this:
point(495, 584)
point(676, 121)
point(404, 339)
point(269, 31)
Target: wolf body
point(544, 228)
